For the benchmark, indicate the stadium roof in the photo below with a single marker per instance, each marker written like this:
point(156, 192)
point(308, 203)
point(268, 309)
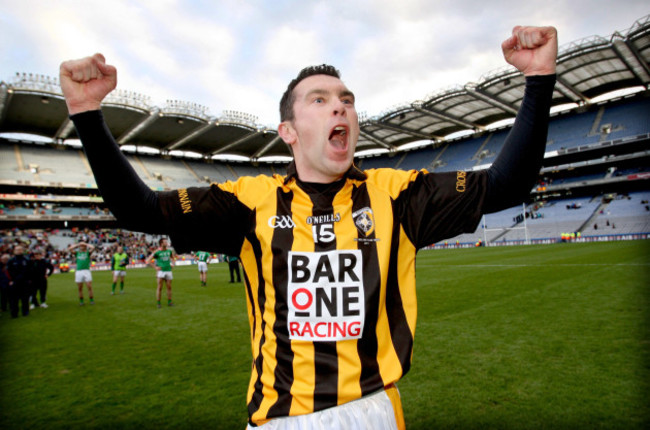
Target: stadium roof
point(586, 69)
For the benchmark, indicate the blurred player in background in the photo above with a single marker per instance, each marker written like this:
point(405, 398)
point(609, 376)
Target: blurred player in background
point(202, 258)
point(4, 282)
point(119, 261)
point(82, 273)
point(41, 269)
point(18, 268)
point(233, 268)
point(162, 259)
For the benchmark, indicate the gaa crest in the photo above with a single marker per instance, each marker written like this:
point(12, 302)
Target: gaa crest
point(364, 220)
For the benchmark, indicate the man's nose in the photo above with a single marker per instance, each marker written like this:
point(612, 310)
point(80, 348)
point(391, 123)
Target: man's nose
point(339, 108)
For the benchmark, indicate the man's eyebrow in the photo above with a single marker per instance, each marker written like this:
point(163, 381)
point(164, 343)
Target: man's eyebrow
point(316, 91)
point(322, 92)
point(347, 93)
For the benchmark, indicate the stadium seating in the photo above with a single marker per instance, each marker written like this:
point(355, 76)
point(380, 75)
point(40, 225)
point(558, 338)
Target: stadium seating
point(169, 174)
point(627, 119)
point(492, 146)
point(211, 172)
point(22, 164)
point(9, 168)
point(245, 170)
point(416, 160)
point(458, 155)
point(41, 163)
point(578, 179)
point(379, 162)
point(626, 214)
point(568, 131)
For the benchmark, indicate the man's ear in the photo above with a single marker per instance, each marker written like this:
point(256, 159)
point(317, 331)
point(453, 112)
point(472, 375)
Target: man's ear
point(287, 132)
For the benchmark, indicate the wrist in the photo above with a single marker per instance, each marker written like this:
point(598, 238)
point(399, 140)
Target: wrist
point(74, 109)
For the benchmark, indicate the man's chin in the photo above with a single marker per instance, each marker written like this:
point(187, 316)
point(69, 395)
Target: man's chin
point(338, 169)
point(344, 158)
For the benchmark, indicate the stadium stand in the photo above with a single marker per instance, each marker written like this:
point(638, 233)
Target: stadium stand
point(571, 131)
point(628, 119)
point(211, 172)
point(380, 161)
point(10, 168)
point(245, 170)
point(423, 158)
point(458, 156)
point(598, 157)
point(625, 214)
point(491, 147)
point(170, 174)
point(61, 165)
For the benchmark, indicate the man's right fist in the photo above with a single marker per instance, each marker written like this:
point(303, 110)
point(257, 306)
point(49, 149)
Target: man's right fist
point(85, 82)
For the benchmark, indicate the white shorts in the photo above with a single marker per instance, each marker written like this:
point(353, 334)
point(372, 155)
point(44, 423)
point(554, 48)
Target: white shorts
point(164, 275)
point(203, 266)
point(83, 276)
point(117, 273)
point(379, 411)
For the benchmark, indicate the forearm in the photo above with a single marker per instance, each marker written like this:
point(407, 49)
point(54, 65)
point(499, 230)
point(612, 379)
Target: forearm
point(130, 200)
point(514, 172)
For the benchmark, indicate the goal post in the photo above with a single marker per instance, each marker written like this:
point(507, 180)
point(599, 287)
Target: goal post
point(504, 230)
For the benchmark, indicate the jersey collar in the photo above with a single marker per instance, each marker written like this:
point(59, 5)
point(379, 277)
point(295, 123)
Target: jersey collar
point(352, 173)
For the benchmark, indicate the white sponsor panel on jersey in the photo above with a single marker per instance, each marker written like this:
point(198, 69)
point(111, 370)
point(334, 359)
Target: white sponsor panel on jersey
point(325, 295)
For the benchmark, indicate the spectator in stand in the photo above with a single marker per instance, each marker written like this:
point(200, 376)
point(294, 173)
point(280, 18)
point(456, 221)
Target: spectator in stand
point(19, 282)
point(41, 269)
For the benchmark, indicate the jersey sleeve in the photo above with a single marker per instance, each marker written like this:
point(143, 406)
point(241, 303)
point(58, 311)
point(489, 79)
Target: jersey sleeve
point(129, 199)
point(516, 169)
point(437, 206)
point(205, 218)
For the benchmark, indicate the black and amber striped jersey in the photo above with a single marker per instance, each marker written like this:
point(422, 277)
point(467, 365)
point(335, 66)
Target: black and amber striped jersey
point(329, 269)
point(330, 273)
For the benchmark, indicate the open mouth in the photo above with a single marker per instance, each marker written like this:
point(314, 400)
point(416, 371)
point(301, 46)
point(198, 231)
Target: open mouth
point(338, 137)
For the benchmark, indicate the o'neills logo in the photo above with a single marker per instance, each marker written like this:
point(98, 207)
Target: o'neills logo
point(461, 179)
point(364, 220)
point(322, 219)
point(283, 221)
point(184, 198)
point(325, 295)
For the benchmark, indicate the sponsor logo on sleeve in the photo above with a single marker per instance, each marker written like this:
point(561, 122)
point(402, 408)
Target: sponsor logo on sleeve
point(326, 296)
point(184, 198)
point(461, 181)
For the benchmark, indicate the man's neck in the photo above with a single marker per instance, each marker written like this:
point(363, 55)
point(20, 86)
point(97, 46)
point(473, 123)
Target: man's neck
point(319, 187)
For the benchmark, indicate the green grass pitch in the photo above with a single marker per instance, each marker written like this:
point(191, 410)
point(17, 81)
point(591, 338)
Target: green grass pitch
point(527, 337)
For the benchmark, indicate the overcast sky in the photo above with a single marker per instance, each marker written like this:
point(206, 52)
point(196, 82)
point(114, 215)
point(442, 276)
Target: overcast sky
point(240, 55)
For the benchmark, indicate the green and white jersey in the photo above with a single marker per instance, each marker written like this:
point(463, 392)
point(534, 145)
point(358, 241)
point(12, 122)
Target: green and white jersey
point(83, 260)
point(203, 256)
point(163, 259)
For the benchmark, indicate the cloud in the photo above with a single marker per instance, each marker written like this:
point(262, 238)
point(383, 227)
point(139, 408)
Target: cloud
point(240, 54)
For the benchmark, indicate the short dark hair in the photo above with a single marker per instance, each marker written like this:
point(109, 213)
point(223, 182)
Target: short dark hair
point(287, 100)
